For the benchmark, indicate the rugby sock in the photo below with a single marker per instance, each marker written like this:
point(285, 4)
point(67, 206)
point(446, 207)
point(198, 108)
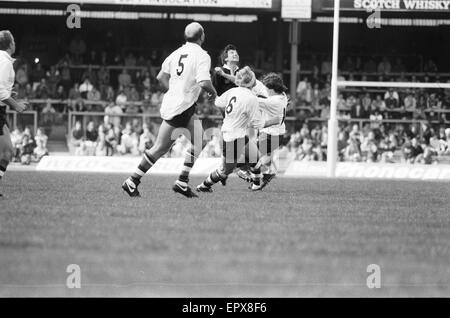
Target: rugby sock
point(146, 163)
point(3, 165)
point(256, 175)
point(213, 178)
point(188, 164)
point(2, 171)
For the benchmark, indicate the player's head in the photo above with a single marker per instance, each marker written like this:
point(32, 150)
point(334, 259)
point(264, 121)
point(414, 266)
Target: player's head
point(229, 54)
point(275, 82)
point(194, 33)
point(7, 42)
point(245, 78)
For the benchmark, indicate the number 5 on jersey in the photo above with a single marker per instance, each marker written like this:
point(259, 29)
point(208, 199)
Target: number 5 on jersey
point(180, 68)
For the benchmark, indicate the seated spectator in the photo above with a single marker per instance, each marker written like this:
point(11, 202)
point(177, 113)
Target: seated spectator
point(37, 73)
point(353, 150)
point(130, 60)
point(94, 95)
point(410, 101)
point(91, 141)
point(391, 99)
point(306, 151)
point(412, 151)
point(66, 77)
point(147, 139)
point(16, 140)
point(103, 76)
point(384, 67)
point(112, 111)
point(42, 90)
point(121, 99)
point(129, 141)
point(75, 102)
point(387, 147)
point(124, 78)
point(76, 139)
point(85, 88)
point(398, 66)
point(26, 150)
point(22, 75)
point(41, 145)
point(349, 65)
point(369, 147)
point(53, 77)
point(301, 87)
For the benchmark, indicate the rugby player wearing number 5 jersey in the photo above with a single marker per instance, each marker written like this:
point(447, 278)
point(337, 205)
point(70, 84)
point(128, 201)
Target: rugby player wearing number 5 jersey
point(241, 112)
point(7, 76)
point(184, 73)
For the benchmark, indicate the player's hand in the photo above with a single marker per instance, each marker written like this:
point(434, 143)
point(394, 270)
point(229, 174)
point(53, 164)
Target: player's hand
point(219, 71)
point(20, 107)
point(14, 94)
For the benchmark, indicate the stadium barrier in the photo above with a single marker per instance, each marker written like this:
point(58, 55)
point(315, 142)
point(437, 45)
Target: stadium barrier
point(22, 120)
point(203, 166)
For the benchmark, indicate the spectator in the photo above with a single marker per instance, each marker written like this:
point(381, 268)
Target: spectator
point(41, 144)
point(42, 90)
point(124, 78)
point(412, 151)
point(85, 88)
point(121, 99)
point(77, 138)
point(385, 66)
point(94, 95)
point(91, 141)
point(26, 150)
point(75, 102)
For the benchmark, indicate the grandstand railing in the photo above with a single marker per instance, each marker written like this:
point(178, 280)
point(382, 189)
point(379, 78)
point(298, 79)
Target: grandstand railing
point(14, 118)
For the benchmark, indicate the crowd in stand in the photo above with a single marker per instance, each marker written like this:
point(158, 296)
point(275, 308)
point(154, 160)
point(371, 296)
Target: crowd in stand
point(133, 89)
point(29, 148)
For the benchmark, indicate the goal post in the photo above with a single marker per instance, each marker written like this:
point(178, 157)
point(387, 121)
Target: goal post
point(332, 122)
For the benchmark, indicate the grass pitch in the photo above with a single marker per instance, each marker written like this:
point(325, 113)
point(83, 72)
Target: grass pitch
point(299, 237)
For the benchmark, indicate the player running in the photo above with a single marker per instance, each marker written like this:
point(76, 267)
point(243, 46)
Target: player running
point(184, 74)
point(241, 112)
point(7, 76)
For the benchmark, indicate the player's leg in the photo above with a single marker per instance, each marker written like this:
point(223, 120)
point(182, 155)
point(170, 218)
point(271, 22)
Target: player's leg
point(253, 156)
point(162, 145)
point(231, 151)
point(194, 132)
point(6, 150)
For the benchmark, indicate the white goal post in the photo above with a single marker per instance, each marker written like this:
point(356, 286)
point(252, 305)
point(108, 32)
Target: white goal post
point(335, 84)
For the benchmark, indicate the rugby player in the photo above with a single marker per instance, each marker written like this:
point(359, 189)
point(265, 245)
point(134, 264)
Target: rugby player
point(184, 74)
point(224, 77)
point(7, 76)
point(241, 112)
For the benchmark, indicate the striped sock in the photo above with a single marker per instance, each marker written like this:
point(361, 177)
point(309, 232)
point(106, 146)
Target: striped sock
point(146, 163)
point(2, 171)
point(188, 164)
point(256, 175)
point(213, 178)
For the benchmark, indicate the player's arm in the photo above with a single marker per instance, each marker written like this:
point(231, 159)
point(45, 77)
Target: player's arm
point(229, 77)
point(163, 78)
point(221, 101)
point(6, 97)
point(257, 121)
point(203, 76)
point(14, 104)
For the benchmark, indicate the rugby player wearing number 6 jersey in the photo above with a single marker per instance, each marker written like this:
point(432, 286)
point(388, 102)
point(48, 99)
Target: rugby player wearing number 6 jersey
point(241, 112)
point(184, 73)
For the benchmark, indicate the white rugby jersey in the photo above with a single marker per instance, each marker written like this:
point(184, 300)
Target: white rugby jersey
point(272, 107)
point(260, 89)
point(7, 75)
point(187, 66)
point(241, 112)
